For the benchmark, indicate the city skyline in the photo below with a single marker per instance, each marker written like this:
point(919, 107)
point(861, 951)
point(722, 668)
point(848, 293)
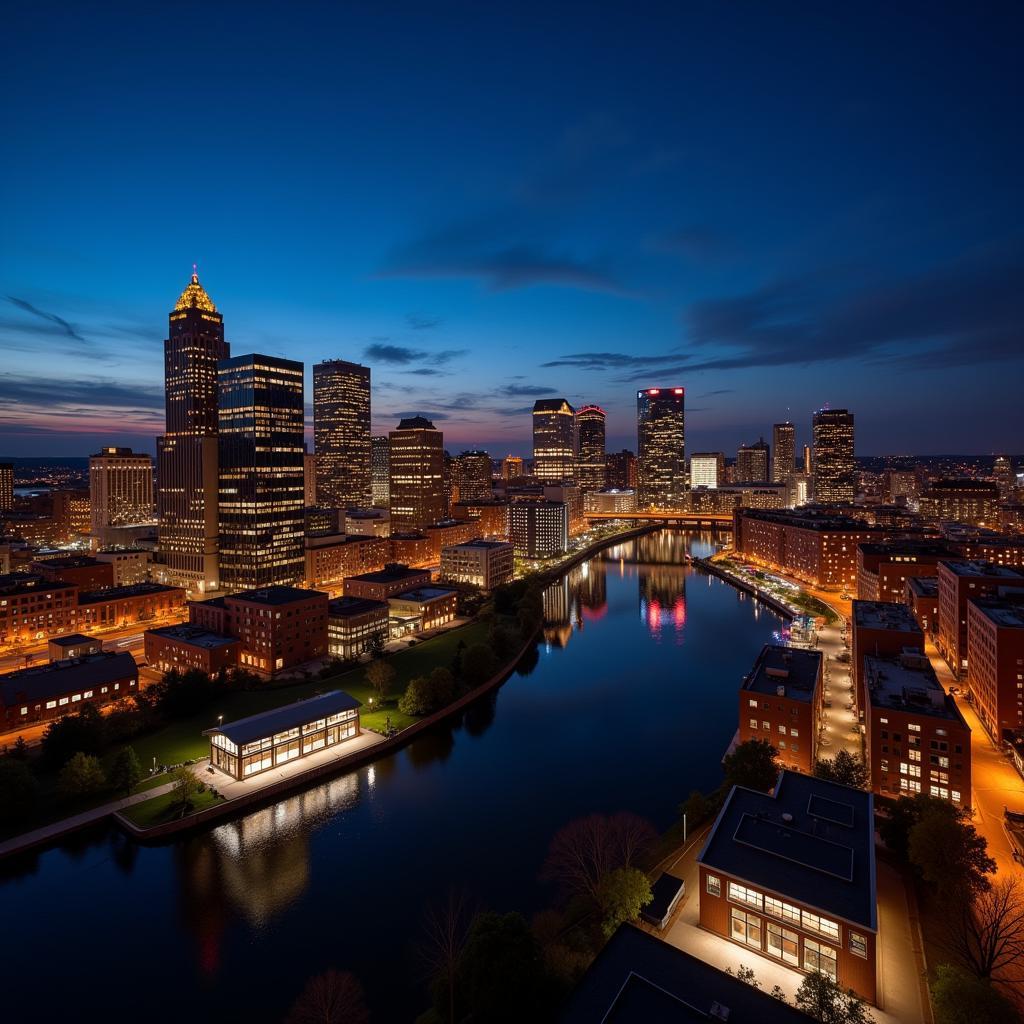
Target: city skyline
point(769, 247)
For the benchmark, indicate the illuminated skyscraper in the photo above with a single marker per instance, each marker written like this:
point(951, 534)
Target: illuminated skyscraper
point(473, 476)
point(753, 463)
point(120, 488)
point(6, 486)
point(416, 475)
point(511, 467)
point(187, 451)
point(707, 469)
point(554, 439)
point(341, 433)
point(309, 478)
point(784, 447)
point(620, 469)
point(380, 487)
point(262, 476)
point(590, 462)
point(661, 447)
point(832, 431)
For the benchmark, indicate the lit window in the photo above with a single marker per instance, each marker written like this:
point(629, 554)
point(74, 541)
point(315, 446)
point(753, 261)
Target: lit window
point(714, 885)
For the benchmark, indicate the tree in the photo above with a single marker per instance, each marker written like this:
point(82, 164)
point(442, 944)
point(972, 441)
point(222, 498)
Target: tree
point(753, 765)
point(380, 675)
point(959, 997)
point(20, 749)
point(18, 790)
point(478, 664)
point(126, 771)
point(989, 933)
point(843, 768)
point(502, 640)
point(821, 998)
point(334, 997)
point(445, 929)
point(698, 808)
point(83, 732)
point(82, 774)
point(949, 853)
point(415, 700)
point(624, 893)
point(186, 785)
point(441, 687)
point(375, 645)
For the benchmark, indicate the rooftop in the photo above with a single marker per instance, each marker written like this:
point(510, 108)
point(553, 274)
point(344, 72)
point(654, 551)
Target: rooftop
point(978, 568)
point(14, 583)
point(44, 681)
point(194, 636)
point(794, 669)
point(424, 594)
point(1003, 613)
point(289, 717)
point(479, 542)
point(73, 640)
point(276, 595)
point(908, 683)
point(640, 979)
point(194, 297)
point(116, 593)
point(924, 586)
point(415, 423)
point(914, 548)
point(884, 615)
point(813, 841)
point(345, 606)
point(393, 573)
point(70, 562)
point(811, 519)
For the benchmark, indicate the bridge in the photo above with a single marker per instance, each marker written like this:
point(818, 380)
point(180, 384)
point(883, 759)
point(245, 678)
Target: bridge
point(698, 520)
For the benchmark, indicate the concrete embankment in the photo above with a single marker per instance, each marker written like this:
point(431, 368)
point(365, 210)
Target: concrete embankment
point(740, 584)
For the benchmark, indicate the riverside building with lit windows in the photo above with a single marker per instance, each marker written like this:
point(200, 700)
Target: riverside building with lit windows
point(611, 500)
point(262, 472)
point(539, 529)
point(883, 569)
point(384, 583)
point(341, 434)
point(780, 701)
point(426, 608)
point(791, 876)
point(354, 625)
point(832, 431)
point(479, 563)
point(661, 447)
point(995, 663)
point(256, 744)
point(554, 440)
point(416, 468)
point(187, 498)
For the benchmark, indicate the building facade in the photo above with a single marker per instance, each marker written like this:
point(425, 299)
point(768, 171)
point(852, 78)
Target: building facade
point(6, 486)
point(554, 440)
point(661, 447)
point(380, 480)
point(333, 556)
point(784, 451)
point(416, 475)
point(478, 563)
point(995, 664)
point(832, 430)
point(184, 648)
point(707, 469)
point(120, 488)
point(386, 582)
point(341, 433)
point(753, 463)
point(880, 630)
point(883, 569)
point(620, 469)
point(975, 502)
point(591, 471)
point(539, 529)
point(355, 625)
point(473, 477)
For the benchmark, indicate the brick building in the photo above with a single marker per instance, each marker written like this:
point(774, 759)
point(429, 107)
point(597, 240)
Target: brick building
point(331, 557)
point(124, 606)
point(386, 582)
point(32, 608)
point(922, 597)
point(995, 664)
point(493, 516)
point(84, 572)
point(184, 647)
point(883, 569)
point(879, 630)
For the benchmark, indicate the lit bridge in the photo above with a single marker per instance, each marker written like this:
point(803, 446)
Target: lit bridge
point(698, 520)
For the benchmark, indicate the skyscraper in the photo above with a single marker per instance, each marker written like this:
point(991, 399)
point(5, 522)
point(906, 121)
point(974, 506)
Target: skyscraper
point(473, 476)
point(554, 439)
point(6, 486)
point(590, 462)
point(187, 451)
point(511, 467)
point(707, 469)
point(784, 447)
point(620, 469)
point(832, 432)
point(309, 478)
point(341, 433)
point(661, 448)
point(380, 456)
point(753, 463)
point(120, 488)
point(262, 473)
point(416, 475)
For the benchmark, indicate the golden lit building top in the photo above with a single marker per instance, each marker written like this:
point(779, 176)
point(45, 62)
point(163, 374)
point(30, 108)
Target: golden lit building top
point(194, 297)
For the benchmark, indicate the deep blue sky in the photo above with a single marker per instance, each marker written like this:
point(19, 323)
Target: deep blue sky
point(776, 205)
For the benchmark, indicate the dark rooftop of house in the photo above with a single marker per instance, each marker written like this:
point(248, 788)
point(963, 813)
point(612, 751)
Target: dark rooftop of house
point(73, 640)
point(116, 593)
point(424, 594)
point(794, 669)
point(979, 568)
point(278, 595)
point(289, 717)
point(58, 677)
point(195, 636)
point(908, 683)
point(810, 519)
point(912, 548)
point(393, 573)
point(70, 562)
point(479, 542)
point(342, 607)
point(1001, 612)
point(639, 979)
point(924, 586)
point(812, 841)
point(884, 615)
point(14, 583)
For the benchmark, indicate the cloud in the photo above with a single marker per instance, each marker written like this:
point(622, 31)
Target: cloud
point(524, 390)
point(611, 360)
point(401, 355)
point(720, 391)
point(420, 412)
point(60, 325)
point(43, 392)
point(422, 323)
point(426, 371)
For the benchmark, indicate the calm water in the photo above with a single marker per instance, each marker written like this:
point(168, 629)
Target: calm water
point(629, 704)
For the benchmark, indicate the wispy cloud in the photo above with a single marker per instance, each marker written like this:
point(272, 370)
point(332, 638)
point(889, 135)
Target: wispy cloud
point(524, 390)
point(60, 325)
point(422, 323)
point(402, 355)
point(612, 360)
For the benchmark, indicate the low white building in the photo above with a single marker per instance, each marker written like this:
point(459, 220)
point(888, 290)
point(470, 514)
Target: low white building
point(480, 563)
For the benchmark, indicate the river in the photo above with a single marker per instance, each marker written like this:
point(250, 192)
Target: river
point(629, 703)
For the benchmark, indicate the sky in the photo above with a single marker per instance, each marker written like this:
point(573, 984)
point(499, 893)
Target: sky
point(779, 207)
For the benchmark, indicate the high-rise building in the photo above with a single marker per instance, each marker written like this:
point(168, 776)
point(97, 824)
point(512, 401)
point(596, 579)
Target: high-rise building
point(661, 447)
point(511, 467)
point(554, 439)
point(309, 478)
point(539, 529)
point(262, 479)
point(380, 458)
point(753, 463)
point(832, 431)
point(416, 475)
point(6, 486)
point(962, 501)
point(707, 469)
point(341, 433)
point(590, 462)
point(473, 476)
point(187, 451)
point(784, 447)
point(1004, 475)
point(621, 469)
point(120, 488)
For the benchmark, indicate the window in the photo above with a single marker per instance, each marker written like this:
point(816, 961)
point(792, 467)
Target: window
point(858, 944)
point(752, 703)
point(956, 796)
point(714, 885)
point(50, 704)
point(782, 729)
point(753, 723)
point(741, 894)
point(818, 957)
point(784, 944)
point(821, 925)
point(746, 928)
point(915, 755)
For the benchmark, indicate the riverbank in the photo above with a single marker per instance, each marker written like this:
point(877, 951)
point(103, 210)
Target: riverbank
point(784, 609)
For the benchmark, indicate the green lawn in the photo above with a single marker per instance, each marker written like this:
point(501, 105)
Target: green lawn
point(163, 808)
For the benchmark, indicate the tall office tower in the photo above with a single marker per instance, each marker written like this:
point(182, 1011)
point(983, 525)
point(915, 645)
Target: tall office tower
point(120, 488)
point(784, 447)
point(447, 482)
point(1002, 471)
point(707, 469)
point(620, 469)
point(808, 460)
point(380, 456)
point(309, 477)
point(6, 486)
point(511, 467)
point(590, 462)
point(341, 433)
point(753, 462)
point(262, 479)
point(554, 440)
point(416, 475)
point(473, 476)
point(186, 455)
point(661, 447)
point(832, 431)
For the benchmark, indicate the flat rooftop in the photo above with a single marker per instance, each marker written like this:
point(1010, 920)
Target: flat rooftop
point(194, 636)
point(979, 568)
point(908, 683)
point(812, 841)
point(810, 520)
point(44, 681)
point(425, 594)
point(793, 668)
point(276, 595)
point(485, 545)
point(390, 574)
point(884, 615)
point(913, 548)
point(73, 640)
point(71, 562)
point(117, 593)
point(1002, 613)
point(267, 723)
point(14, 583)
point(924, 586)
point(344, 606)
